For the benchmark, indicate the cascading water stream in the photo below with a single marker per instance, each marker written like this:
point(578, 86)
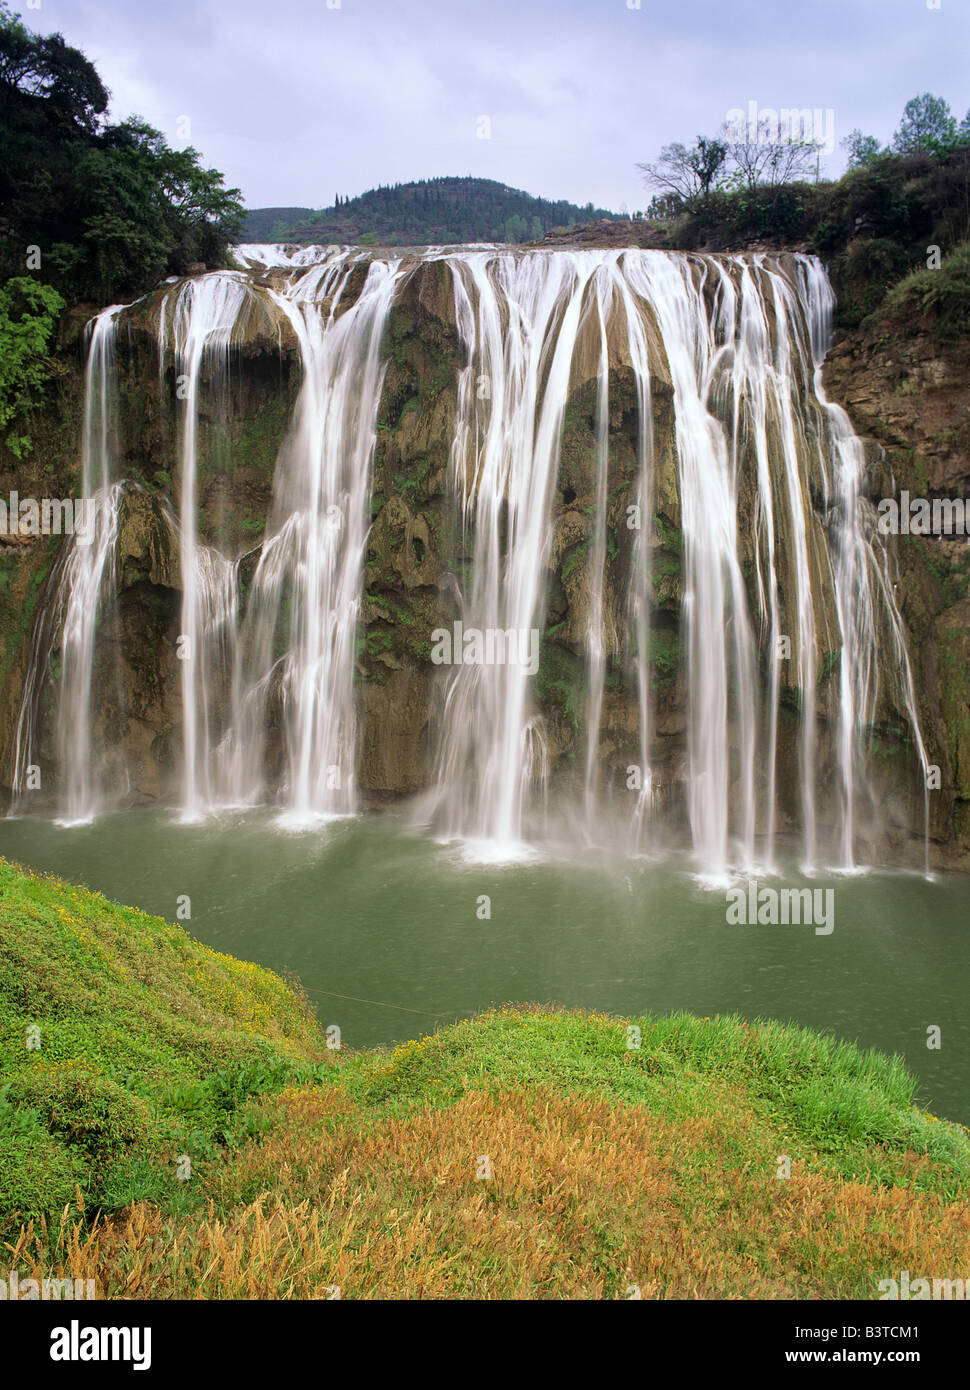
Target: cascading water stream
point(863, 588)
point(600, 638)
point(313, 553)
point(737, 338)
point(519, 318)
point(205, 314)
point(718, 638)
point(83, 589)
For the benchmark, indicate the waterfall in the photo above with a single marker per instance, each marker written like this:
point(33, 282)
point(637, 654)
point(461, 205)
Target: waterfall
point(519, 318)
point(307, 590)
point(600, 639)
point(866, 601)
point(741, 341)
point(205, 314)
point(783, 575)
point(82, 589)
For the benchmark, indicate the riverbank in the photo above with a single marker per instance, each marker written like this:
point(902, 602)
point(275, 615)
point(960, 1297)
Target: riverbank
point(179, 1119)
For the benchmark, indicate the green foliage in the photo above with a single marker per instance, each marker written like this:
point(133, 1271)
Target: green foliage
point(927, 125)
point(45, 67)
point(935, 299)
point(153, 1047)
point(28, 315)
point(38, 1173)
point(873, 225)
point(560, 682)
point(853, 1111)
point(861, 149)
point(666, 653)
point(776, 212)
point(86, 1111)
point(109, 209)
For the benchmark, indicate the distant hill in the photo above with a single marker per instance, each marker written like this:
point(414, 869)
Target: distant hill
point(271, 224)
point(432, 211)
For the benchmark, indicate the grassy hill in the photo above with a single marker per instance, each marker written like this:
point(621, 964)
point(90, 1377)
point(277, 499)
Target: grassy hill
point(529, 1152)
point(432, 211)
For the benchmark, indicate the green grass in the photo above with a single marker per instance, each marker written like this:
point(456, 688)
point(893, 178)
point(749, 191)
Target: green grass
point(854, 1109)
point(153, 1047)
point(148, 1041)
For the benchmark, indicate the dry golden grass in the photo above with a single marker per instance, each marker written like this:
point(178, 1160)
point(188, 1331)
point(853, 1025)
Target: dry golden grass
point(586, 1199)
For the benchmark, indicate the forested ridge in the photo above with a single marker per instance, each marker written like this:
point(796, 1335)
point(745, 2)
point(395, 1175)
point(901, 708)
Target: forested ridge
point(432, 211)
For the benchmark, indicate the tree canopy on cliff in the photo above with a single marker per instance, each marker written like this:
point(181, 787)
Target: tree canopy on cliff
point(98, 211)
point(927, 126)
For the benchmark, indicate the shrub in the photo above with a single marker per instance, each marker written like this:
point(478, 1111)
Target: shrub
point(38, 1175)
point(88, 1112)
point(28, 314)
point(938, 300)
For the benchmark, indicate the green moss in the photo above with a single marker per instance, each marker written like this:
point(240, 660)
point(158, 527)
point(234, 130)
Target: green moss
point(951, 573)
point(954, 676)
point(574, 557)
point(666, 653)
point(560, 682)
point(828, 664)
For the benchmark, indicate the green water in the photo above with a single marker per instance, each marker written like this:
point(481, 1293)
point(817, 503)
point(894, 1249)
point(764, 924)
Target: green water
point(364, 908)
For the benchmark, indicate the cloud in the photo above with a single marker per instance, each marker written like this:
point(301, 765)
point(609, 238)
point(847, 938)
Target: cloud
point(297, 101)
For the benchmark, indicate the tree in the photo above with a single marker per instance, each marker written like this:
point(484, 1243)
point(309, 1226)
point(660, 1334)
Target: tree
point(48, 68)
point(862, 150)
point(110, 208)
point(688, 174)
point(664, 206)
point(927, 125)
point(768, 158)
point(516, 229)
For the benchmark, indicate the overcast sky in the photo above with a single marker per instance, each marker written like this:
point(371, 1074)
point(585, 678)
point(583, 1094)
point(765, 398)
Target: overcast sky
point(298, 100)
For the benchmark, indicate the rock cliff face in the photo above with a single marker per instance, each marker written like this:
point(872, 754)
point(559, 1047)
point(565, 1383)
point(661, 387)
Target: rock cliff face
point(908, 399)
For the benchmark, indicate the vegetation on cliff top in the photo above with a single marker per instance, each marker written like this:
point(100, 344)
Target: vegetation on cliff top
point(873, 227)
point(608, 1165)
point(89, 211)
point(98, 211)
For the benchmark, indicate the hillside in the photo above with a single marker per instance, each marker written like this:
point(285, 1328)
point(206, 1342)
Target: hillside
point(272, 224)
point(432, 211)
point(609, 1168)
